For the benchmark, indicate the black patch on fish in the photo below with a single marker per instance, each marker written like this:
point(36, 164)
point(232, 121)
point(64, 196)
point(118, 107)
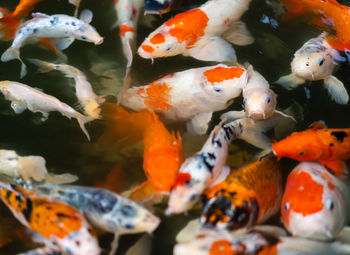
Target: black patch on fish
point(54, 21)
point(205, 159)
point(18, 198)
point(340, 135)
point(217, 143)
point(102, 201)
point(27, 212)
point(219, 208)
point(255, 211)
point(271, 239)
point(8, 194)
point(62, 215)
point(128, 211)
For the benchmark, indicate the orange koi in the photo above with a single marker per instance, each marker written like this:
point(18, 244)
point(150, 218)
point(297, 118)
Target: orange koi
point(63, 226)
point(12, 20)
point(248, 196)
point(327, 13)
point(329, 146)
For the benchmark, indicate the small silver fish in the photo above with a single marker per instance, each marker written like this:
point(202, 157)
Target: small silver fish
point(63, 27)
point(22, 96)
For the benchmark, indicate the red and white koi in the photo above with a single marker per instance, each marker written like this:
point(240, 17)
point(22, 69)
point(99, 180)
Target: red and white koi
point(192, 95)
point(88, 100)
point(316, 60)
point(315, 204)
point(22, 96)
point(29, 168)
point(199, 33)
point(203, 169)
point(61, 227)
point(65, 29)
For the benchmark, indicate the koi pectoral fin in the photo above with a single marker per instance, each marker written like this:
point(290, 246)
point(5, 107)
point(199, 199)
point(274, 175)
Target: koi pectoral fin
point(338, 167)
point(336, 90)
point(233, 115)
point(238, 34)
point(213, 49)
point(18, 106)
point(290, 81)
point(199, 124)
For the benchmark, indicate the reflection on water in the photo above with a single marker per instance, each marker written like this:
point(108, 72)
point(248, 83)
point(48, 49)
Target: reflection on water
point(65, 148)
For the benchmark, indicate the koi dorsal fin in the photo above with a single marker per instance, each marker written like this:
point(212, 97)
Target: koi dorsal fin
point(318, 125)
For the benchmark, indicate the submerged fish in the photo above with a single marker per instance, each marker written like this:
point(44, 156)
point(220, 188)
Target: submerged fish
point(88, 100)
point(249, 195)
point(199, 33)
point(29, 168)
point(329, 146)
point(192, 95)
point(203, 169)
point(316, 60)
point(65, 29)
point(61, 227)
point(160, 6)
point(105, 209)
point(22, 96)
point(315, 203)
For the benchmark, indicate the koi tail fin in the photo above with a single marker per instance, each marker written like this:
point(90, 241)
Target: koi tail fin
point(13, 53)
point(44, 67)
point(82, 120)
point(9, 25)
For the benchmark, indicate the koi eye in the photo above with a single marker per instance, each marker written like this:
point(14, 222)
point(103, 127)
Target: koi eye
point(286, 206)
point(329, 204)
point(243, 107)
point(267, 99)
point(302, 152)
point(167, 47)
point(320, 61)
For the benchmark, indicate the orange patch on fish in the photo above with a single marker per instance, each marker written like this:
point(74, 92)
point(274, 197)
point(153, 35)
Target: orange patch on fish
point(182, 178)
point(156, 95)
point(221, 247)
point(125, 28)
point(147, 48)
point(188, 27)
point(338, 44)
point(157, 39)
point(220, 73)
point(303, 194)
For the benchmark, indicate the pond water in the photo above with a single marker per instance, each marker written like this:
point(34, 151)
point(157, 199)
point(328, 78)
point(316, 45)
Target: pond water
point(66, 149)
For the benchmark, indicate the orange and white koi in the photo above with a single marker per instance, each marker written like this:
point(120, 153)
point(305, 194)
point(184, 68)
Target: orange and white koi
point(61, 227)
point(221, 243)
point(22, 96)
point(105, 209)
point(316, 60)
point(329, 146)
point(192, 95)
point(249, 195)
point(29, 168)
point(315, 203)
point(88, 100)
point(203, 169)
point(62, 27)
point(197, 33)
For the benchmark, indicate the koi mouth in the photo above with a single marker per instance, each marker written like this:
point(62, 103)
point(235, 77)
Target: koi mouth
point(99, 42)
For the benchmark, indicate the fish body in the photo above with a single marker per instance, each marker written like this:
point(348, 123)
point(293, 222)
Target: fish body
point(22, 96)
point(199, 33)
point(89, 101)
point(160, 6)
point(192, 95)
point(315, 203)
point(249, 195)
point(316, 60)
point(62, 27)
point(329, 146)
point(207, 166)
point(60, 226)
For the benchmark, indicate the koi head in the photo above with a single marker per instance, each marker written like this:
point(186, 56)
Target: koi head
point(313, 206)
point(87, 33)
point(259, 103)
point(301, 146)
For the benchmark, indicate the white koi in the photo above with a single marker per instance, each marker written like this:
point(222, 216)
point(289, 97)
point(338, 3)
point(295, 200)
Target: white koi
point(62, 27)
point(199, 33)
point(316, 60)
point(22, 97)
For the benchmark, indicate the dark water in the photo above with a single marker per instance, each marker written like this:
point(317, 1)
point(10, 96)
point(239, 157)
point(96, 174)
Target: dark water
point(65, 148)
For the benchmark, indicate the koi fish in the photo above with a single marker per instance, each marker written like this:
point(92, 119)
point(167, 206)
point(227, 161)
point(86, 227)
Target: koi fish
point(29, 167)
point(60, 226)
point(249, 195)
point(328, 146)
point(65, 29)
point(192, 95)
point(199, 33)
point(160, 7)
point(220, 243)
point(259, 101)
point(22, 96)
point(105, 209)
point(88, 100)
point(315, 203)
point(316, 60)
point(203, 169)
